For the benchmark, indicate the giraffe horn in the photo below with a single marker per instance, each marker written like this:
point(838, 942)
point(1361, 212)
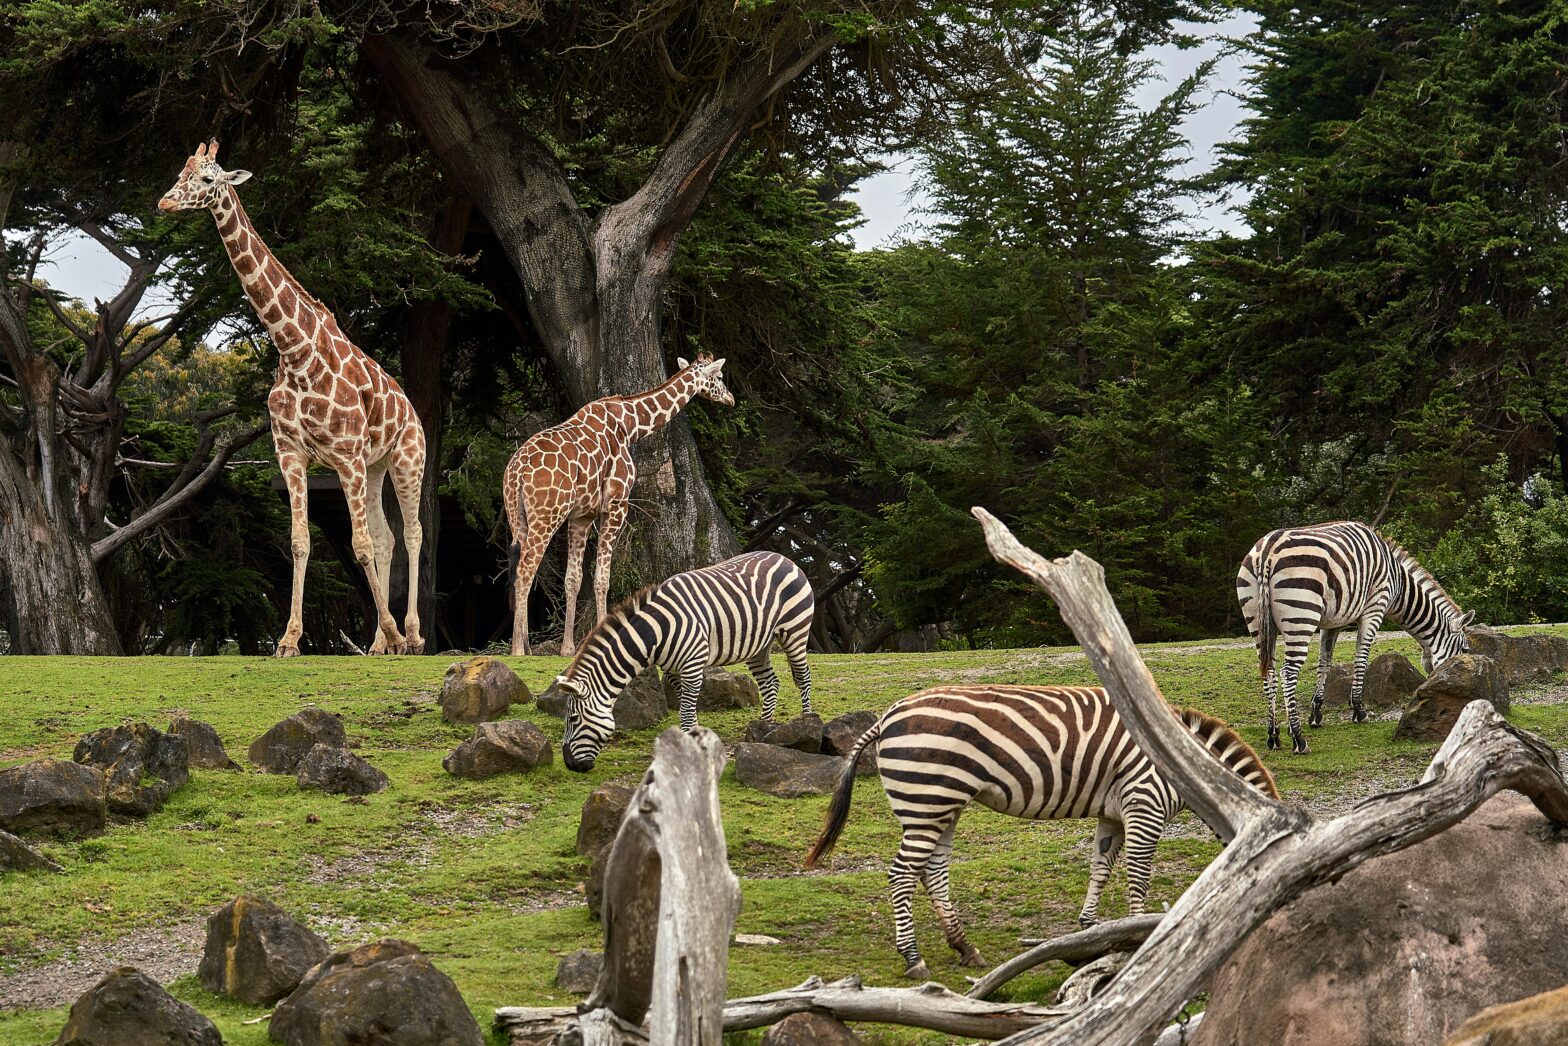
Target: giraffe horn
point(212, 149)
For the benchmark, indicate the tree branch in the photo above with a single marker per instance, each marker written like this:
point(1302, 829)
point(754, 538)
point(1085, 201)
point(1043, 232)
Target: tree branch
point(1111, 936)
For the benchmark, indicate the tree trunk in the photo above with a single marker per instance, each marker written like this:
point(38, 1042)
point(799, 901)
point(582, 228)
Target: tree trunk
point(54, 601)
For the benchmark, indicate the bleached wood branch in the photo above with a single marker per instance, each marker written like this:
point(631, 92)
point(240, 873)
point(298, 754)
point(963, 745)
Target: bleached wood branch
point(1110, 936)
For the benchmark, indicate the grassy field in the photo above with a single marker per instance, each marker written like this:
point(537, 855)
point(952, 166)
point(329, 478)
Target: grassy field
point(483, 875)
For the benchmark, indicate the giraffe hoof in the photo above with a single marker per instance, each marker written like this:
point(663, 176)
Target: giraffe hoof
point(415, 645)
point(287, 650)
point(918, 972)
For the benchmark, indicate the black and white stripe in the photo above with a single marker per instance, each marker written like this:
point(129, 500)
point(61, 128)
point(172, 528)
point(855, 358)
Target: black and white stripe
point(1324, 579)
point(720, 615)
point(1037, 752)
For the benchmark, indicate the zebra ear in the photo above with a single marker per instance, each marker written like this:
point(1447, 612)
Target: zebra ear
point(568, 686)
point(1464, 622)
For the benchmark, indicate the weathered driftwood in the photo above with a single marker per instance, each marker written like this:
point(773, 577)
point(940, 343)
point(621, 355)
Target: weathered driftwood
point(1113, 935)
point(1276, 852)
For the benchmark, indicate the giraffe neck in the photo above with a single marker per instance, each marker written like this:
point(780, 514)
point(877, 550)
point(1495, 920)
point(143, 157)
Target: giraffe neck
point(284, 307)
point(650, 411)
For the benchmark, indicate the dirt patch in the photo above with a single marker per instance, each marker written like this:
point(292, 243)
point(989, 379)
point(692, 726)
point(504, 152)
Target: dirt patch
point(163, 953)
point(434, 823)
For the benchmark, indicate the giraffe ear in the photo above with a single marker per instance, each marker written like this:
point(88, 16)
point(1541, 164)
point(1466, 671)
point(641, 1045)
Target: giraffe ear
point(236, 177)
point(718, 364)
point(681, 364)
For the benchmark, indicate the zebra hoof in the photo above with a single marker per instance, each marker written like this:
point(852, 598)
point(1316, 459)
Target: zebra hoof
point(971, 957)
point(1086, 921)
point(918, 972)
point(1299, 746)
point(1274, 744)
point(1358, 716)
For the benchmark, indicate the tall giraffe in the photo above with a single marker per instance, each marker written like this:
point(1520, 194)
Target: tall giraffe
point(330, 404)
point(582, 470)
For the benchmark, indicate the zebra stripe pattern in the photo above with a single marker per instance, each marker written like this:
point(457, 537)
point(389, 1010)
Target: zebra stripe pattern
point(720, 615)
point(1036, 752)
point(1327, 578)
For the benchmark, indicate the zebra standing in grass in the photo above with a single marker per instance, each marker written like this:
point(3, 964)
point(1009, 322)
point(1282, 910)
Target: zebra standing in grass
point(719, 615)
point(1302, 580)
point(1037, 752)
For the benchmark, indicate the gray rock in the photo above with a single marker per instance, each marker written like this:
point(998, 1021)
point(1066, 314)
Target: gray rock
point(203, 746)
point(839, 736)
point(721, 690)
point(381, 994)
point(142, 766)
point(128, 1008)
point(512, 746)
point(545, 648)
point(1390, 681)
point(279, 750)
point(1438, 701)
point(809, 1029)
point(480, 690)
point(803, 733)
point(551, 702)
point(1402, 949)
point(1521, 659)
point(785, 772)
point(579, 971)
point(339, 771)
point(1540, 1020)
point(17, 856)
point(53, 797)
point(641, 704)
point(256, 952)
point(602, 814)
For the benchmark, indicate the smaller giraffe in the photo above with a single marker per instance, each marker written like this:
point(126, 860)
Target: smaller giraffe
point(330, 405)
point(582, 470)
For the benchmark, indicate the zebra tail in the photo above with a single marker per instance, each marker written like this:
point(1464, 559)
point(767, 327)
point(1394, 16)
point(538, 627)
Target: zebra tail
point(1267, 634)
point(838, 809)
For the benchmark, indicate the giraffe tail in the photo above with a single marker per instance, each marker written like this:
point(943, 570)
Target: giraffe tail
point(514, 552)
point(838, 809)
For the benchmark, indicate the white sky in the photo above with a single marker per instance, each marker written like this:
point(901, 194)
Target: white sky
point(889, 201)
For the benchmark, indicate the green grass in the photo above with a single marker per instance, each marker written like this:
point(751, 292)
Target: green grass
point(482, 875)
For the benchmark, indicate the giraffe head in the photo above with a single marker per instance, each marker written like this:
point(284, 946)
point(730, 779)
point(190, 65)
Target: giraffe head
point(201, 183)
point(709, 374)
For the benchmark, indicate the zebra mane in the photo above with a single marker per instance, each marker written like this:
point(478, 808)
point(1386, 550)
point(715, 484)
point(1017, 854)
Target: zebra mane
point(1423, 577)
point(616, 615)
point(1220, 738)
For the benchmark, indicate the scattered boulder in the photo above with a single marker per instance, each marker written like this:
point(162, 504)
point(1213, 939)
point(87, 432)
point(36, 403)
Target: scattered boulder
point(803, 733)
point(203, 746)
point(839, 737)
point(579, 971)
point(479, 690)
point(1439, 700)
point(53, 797)
point(1402, 949)
point(279, 750)
point(721, 690)
point(545, 648)
point(551, 702)
point(256, 952)
point(128, 1008)
point(386, 992)
point(17, 856)
point(603, 811)
point(142, 766)
point(810, 1029)
point(339, 771)
point(1540, 1020)
point(512, 746)
point(1521, 659)
point(641, 704)
point(1390, 681)
point(786, 772)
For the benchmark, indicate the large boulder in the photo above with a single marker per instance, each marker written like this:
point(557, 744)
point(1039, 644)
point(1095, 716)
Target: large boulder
point(203, 746)
point(1401, 950)
point(839, 737)
point(721, 690)
point(1390, 681)
point(141, 766)
point(128, 1008)
point(381, 994)
point(786, 772)
point(578, 972)
point(479, 690)
point(17, 856)
point(803, 733)
point(512, 746)
point(602, 814)
point(1540, 1020)
point(1438, 701)
point(256, 952)
point(279, 750)
point(810, 1029)
point(53, 797)
point(339, 771)
point(1521, 659)
point(638, 707)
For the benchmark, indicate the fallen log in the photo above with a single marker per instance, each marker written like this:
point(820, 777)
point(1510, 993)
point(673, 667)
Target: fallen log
point(1114, 935)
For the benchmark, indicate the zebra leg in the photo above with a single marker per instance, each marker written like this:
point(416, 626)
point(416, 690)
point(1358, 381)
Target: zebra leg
point(761, 668)
point(937, 888)
point(1370, 623)
point(1326, 640)
point(1271, 691)
point(691, 689)
point(795, 651)
point(1107, 844)
point(908, 868)
point(1143, 828)
point(1295, 658)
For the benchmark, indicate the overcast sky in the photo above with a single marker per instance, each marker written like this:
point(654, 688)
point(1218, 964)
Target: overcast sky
point(890, 201)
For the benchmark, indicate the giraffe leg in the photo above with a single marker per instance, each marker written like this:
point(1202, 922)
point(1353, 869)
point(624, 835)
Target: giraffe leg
point(1107, 844)
point(293, 466)
point(937, 888)
point(406, 480)
point(1326, 639)
point(761, 668)
point(531, 547)
point(381, 544)
point(576, 542)
point(610, 524)
point(355, 489)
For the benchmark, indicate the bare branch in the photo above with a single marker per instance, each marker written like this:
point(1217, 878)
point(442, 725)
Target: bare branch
point(1111, 936)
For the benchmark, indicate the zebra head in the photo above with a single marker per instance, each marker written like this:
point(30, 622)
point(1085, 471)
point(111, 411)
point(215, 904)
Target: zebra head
point(709, 373)
point(590, 720)
point(1449, 641)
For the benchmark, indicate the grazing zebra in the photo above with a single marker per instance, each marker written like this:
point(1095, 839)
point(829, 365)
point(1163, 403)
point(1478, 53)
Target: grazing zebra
point(1038, 752)
point(1302, 580)
point(719, 615)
